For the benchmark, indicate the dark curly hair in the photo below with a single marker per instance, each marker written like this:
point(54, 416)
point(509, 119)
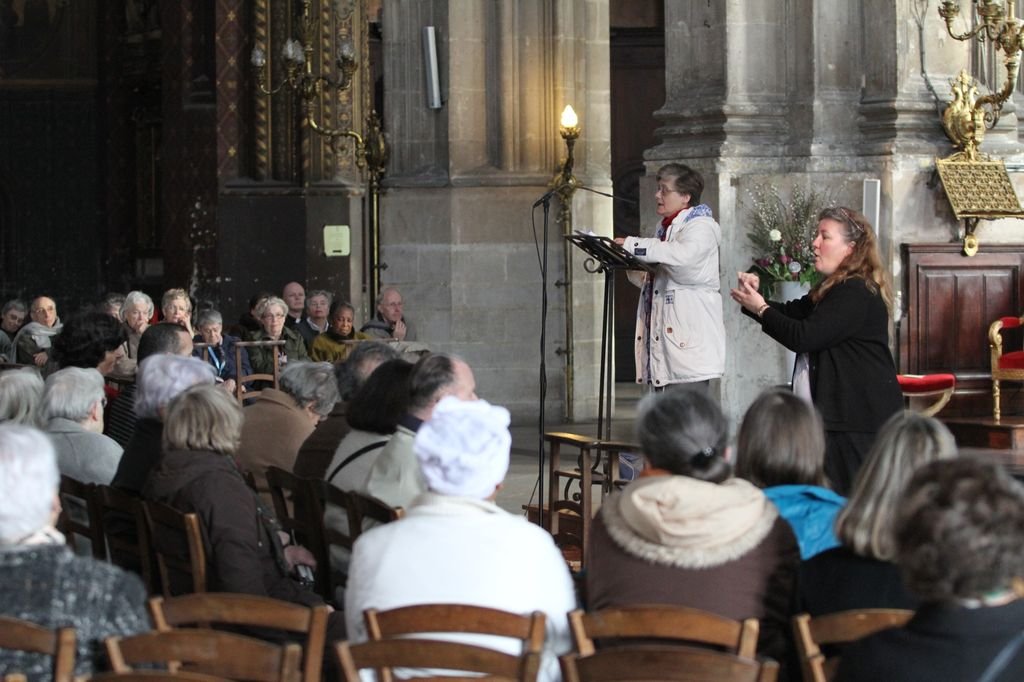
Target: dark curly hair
point(86, 338)
point(960, 530)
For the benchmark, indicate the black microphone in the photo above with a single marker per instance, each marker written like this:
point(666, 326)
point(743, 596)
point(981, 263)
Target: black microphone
point(547, 196)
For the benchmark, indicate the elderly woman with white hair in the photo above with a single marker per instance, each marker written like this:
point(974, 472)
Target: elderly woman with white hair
point(73, 402)
point(136, 314)
point(455, 545)
point(160, 378)
point(272, 314)
point(245, 550)
point(21, 391)
point(220, 348)
point(280, 420)
point(41, 580)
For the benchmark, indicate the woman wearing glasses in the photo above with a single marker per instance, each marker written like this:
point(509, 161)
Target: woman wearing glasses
point(840, 331)
point(271, 314)
point(680, 337)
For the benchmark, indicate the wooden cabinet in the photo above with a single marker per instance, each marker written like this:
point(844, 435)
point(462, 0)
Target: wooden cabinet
point(949, 301)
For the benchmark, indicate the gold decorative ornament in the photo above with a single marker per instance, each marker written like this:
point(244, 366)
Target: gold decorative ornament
point(978, 186)
point(300, 78)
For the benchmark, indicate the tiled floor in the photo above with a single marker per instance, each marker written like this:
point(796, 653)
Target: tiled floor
point(521, 482)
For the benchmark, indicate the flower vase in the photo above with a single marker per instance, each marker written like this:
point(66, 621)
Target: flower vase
point(789, 291)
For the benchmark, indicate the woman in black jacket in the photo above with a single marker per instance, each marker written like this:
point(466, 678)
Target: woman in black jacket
point(840, 331)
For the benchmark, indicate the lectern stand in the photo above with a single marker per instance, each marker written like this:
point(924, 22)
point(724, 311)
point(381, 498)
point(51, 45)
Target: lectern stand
point(606, 256)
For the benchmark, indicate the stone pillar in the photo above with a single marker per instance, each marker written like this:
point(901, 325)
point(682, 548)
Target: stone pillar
point(458, 234)
point(778, 92)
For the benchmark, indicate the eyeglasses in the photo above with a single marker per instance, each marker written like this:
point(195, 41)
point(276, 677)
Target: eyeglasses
point(47, 309)
point(664, 189)
point(273, 316)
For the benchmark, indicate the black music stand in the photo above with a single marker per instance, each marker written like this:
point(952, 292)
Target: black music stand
point(606, 256)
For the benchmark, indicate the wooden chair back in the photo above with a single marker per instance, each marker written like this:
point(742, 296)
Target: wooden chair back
point(21, 635)
point(219, 608)
point(648, 663)
point(563, 504)
point(177, 540)
point(426, 619)
point(295, 502)
point(129, 550)
point(155, 676)
point(337, 501)
point(662, 622)
point(210, 652)
point(835, 629)
point(424, 653)
point(368, 508)
point(79, 517)
point(273, 378)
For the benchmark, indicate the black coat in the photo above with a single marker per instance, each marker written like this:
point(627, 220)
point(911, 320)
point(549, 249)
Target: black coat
point(948, 643)
point(846, 336)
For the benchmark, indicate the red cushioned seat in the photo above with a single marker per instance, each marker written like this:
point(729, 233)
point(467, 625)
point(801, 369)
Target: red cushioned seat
point(1014, 360)
point(926, 383)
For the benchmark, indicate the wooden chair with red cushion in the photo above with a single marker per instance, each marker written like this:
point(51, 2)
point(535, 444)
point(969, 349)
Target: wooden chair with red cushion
point(940, 387)
point(1005, 366)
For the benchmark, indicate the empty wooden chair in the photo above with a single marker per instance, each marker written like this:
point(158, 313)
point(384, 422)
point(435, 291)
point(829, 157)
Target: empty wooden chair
point(123, 523)
point(79, 516)
point(221, 608)
point(431, 654)
point(643, 663)
point(177, 540)
point(569, 514)
point(207, 651)
point(21, 635)
point(836, 629)
point(663, 622)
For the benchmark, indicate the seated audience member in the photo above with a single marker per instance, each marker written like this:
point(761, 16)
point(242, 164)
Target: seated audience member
point(11, 319)
point(32, 342)
point(197, 473)
point(160, 338)
point(454, 545)
point(272, 314)
point(860, 573)
point(318, 449)
point(318, 303)
point(12, 316)
point(176, 306)
point(395, 476)
point(373, 414)
point(249, 321)
point(112, 304)
point(136, 315)
point(294, 296)
point(688, 533)
point(389, 322)
point(960, 547)
point(72, 405)
point(21, 392)
point(220, 352)
point(330, 346)
point(159, 380)
point(91, 340)
point(41, 580)
point(782, 451)
point(279, 420)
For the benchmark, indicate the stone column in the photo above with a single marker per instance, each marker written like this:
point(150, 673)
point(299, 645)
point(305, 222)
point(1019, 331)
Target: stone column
point(458, 234)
